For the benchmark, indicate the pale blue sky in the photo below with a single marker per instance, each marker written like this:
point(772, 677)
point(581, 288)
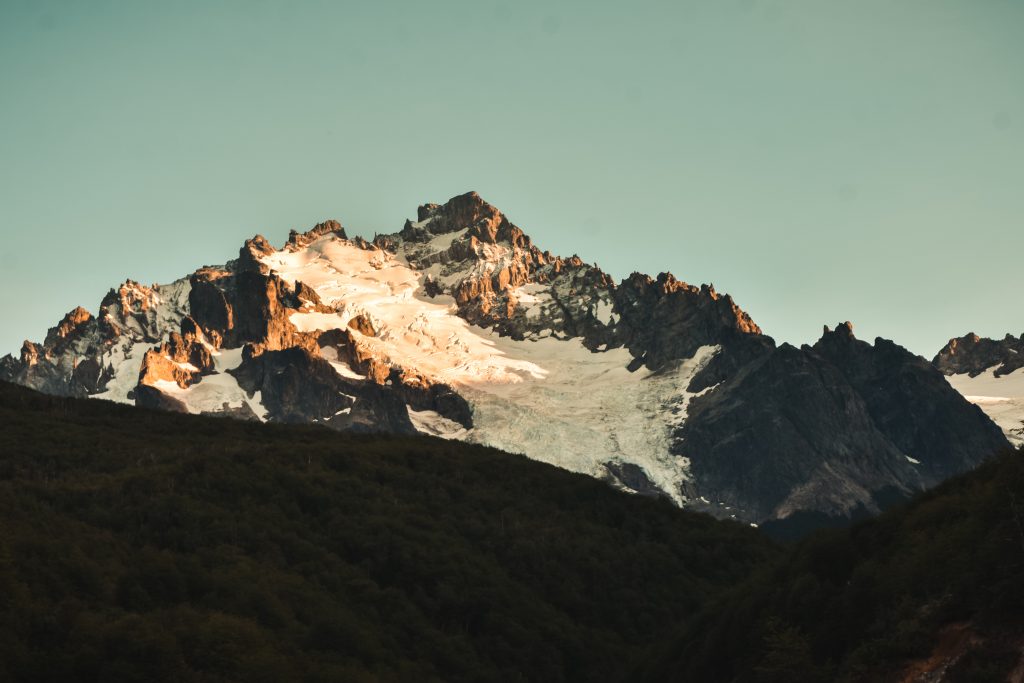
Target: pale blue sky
point(821, 161)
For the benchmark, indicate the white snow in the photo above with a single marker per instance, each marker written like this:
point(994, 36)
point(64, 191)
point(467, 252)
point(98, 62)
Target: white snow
point(341, 367)
point(434, 424)
point(591, 406)
point(311, 322)
point(531, 297)
point(213, 393)
point(603, 312)
point(126, 360)
point(912, 461)
point(226, 359)
point(183, 366)
point(216, 392)
point(1002, 399)
point(441, 242)
point(413, 331)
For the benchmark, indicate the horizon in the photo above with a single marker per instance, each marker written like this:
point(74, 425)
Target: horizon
point(818, 162)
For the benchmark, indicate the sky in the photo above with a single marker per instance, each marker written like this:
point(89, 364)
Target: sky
point(819, 160)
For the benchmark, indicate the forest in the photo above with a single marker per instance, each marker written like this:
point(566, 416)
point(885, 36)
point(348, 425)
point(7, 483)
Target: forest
point(149, 546)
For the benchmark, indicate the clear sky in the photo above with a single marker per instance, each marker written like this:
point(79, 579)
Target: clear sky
point(821, 161)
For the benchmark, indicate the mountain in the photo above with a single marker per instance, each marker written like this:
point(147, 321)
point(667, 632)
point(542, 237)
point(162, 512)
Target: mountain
point(990, 374)
point(459, 326)
point(143, 545)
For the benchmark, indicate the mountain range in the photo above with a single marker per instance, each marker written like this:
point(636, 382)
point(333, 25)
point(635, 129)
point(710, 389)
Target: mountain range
point(459, 326)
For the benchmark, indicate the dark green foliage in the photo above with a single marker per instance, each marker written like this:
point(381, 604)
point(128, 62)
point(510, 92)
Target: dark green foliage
point(144, 546)
point(859, 604)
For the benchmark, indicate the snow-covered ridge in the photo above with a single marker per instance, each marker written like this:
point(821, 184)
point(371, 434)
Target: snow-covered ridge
point(413, 331)
point(527, 396)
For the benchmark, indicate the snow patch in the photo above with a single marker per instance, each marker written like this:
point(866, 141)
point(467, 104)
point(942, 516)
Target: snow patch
point(125, 359)
point(603, 312)
point(218, 391)
point(330, 354)
point(1002, 399)
point(434, 424)
point(213, 393)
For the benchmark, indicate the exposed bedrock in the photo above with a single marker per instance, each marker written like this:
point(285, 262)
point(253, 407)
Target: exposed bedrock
point(974, 355)
point(297, 386)
point(834, 428)
point(914, 405)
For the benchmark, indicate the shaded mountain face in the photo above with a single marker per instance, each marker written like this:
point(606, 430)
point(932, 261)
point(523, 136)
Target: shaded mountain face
point(856, 424)
point(990, 374)
point(459, 326)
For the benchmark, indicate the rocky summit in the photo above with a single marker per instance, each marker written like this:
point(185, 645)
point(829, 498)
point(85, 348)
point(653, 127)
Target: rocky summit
point(459, 326)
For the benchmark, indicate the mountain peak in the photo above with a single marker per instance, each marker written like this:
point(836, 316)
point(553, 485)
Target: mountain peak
point(459, 326)
point(297, 240)
point(468, 212)
point(842, 331)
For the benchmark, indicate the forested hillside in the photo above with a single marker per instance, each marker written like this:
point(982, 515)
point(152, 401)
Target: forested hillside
point(933, 586)
point(142, 546)
point(148, 546)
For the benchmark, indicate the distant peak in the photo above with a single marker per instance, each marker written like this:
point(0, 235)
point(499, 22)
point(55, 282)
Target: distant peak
point(841, 334)
point(973, 355)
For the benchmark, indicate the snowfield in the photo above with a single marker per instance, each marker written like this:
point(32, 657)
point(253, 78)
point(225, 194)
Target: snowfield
point(527, 396)
point(587, 410)
point(216, 392)
point(1002, 399)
